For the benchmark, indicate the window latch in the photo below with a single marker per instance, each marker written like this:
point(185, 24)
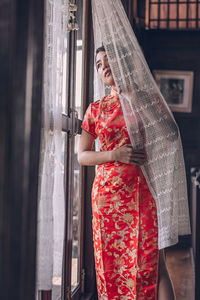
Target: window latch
point(71, 124)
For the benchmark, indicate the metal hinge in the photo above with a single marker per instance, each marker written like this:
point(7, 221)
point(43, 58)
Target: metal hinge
point(70, 124)
point(82, 281)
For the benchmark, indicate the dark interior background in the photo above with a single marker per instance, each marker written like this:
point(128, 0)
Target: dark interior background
point(180, 50)
point(21, 39)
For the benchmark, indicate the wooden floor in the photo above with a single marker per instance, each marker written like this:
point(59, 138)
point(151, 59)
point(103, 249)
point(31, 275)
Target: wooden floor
point(181, 270)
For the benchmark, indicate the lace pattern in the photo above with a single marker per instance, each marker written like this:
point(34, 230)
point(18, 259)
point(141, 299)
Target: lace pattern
point(51, 195)
point(149, 121)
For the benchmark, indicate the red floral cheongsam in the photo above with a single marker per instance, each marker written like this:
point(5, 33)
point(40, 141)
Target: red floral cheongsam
point(124, 213)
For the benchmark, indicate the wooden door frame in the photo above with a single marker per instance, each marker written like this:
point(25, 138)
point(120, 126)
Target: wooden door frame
point(21, 57)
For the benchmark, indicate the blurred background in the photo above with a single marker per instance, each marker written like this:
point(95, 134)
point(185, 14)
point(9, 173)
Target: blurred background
point(46, 82)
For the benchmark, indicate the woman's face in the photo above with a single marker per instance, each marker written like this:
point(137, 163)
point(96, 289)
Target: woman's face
point(103, 68)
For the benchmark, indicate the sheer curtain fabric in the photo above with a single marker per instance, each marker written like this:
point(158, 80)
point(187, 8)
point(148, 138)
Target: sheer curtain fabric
point(149, 121)
point(51, 209)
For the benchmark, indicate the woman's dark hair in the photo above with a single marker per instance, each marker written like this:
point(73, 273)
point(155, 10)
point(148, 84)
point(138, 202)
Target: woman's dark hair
point(102, 48)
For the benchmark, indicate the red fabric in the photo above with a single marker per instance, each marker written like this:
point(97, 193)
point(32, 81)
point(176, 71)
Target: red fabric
point(124, 213)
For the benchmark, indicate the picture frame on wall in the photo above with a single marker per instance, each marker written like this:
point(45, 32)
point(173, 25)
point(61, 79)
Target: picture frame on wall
point(177, 88)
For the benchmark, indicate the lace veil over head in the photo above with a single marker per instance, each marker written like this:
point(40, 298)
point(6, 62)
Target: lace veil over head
point(149, 121)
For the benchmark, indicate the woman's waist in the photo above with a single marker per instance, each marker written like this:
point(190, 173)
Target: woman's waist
point(113, 143)
point(117, 175)
point(117, 165)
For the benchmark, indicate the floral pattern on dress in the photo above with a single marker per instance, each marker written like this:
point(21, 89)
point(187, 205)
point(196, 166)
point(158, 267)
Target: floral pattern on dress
point(125, 228)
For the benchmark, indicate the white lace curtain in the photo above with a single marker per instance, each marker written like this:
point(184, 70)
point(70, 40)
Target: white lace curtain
point(51, 195)
point(149, 121)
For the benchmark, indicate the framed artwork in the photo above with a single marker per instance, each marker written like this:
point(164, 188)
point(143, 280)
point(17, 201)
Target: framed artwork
point(177, 88)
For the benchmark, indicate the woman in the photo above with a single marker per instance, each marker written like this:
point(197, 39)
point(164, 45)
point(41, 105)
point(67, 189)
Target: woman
point(128, 262)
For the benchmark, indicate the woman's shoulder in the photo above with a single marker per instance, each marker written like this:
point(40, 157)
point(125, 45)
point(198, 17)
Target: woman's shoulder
point(97, 104)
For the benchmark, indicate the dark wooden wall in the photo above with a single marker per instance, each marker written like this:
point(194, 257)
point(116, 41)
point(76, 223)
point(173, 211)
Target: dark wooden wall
point(180, 50)
point(21, 52)
point(89, 172)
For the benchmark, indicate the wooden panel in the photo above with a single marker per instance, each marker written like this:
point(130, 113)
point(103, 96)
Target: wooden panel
point(90, 282)
point(21, 39)
point(177, 261)
point(173, 50)
point(46, 295)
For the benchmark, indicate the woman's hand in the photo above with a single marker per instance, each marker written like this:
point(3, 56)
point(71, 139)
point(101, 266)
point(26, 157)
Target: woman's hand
point(126, 154)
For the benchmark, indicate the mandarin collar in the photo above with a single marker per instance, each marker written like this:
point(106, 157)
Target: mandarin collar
point(114, 92)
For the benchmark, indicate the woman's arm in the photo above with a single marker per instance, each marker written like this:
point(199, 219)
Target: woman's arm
point(88, 157)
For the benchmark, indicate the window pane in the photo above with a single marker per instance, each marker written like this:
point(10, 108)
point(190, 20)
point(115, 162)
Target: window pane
point(172, 25)
point(163, 24)
point(163, 11)
point(154, 11)
point(172, 11)
point(76, 241)
point(64, 80)
point(183, 11)
point(192, 24)
point(59, 199)
point(182, 24)
point(78, 92)
point(181, 14)
point(76, 220)
point(192, 11)
point(51, 209)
